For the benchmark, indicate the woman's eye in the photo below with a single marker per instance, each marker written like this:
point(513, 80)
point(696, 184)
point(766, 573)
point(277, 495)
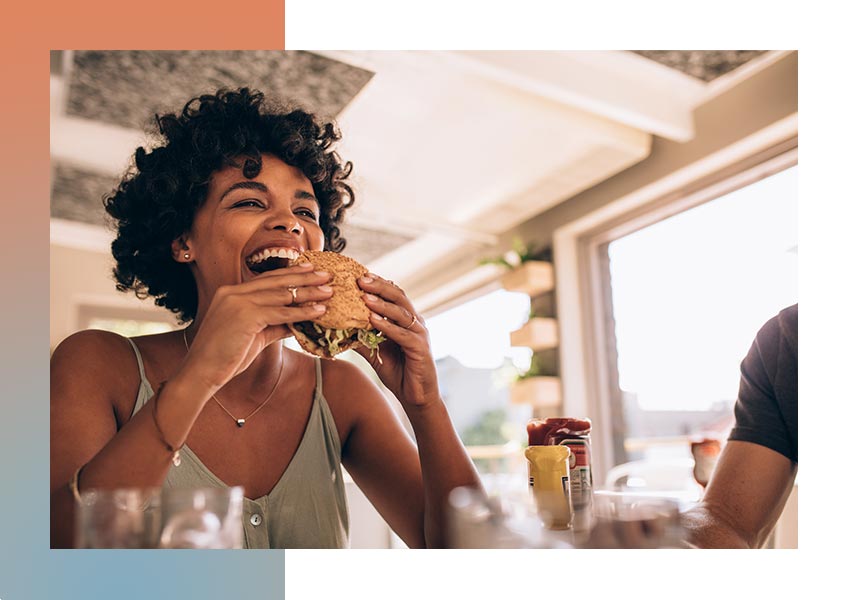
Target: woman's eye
point(307, 213)
point(255, 203)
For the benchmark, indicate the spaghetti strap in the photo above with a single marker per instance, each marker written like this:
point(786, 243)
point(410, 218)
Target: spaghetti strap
point(145, 389)
point(318, 375)
point(139, 359)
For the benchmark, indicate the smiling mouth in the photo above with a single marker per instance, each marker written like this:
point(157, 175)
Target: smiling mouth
point(271, 259)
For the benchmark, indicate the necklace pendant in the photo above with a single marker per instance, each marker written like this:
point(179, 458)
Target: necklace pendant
point(240, 422)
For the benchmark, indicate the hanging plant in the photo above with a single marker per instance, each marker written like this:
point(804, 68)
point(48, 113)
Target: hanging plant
point(519, 254)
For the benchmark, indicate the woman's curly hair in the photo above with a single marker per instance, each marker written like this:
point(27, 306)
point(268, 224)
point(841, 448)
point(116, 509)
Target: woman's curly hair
point(156, 201)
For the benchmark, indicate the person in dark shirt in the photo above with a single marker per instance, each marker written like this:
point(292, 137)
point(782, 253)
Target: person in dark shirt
point(756, 470)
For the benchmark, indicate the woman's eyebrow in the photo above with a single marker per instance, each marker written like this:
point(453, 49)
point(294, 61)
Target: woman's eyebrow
point(245, 185)
point(305, 195)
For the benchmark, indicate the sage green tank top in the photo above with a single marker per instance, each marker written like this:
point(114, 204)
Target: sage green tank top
point(307, 507)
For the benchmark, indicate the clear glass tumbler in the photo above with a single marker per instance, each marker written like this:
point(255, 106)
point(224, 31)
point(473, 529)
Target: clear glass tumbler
point(634, 521)
point(121, 518)
point(202, 518)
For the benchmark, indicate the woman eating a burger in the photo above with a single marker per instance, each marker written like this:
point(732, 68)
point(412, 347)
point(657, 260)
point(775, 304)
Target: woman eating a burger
point(219, 223)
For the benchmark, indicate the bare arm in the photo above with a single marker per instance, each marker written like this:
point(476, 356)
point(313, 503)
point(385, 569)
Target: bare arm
point(744, 498)
point(445, 465)
point(408, 486)
point(87, 381)
point(409, 371)
point(87, 372)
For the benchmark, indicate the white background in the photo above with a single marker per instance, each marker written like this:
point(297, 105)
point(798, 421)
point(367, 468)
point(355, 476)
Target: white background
point(819, 33)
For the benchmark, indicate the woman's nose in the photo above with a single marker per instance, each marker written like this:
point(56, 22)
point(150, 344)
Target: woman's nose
point(293, 227)
point(286, 221)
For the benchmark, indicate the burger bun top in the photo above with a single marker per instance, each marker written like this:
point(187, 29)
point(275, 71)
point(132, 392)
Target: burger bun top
point(346, 308)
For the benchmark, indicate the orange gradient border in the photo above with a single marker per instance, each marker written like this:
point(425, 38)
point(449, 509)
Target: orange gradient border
point(28, 31)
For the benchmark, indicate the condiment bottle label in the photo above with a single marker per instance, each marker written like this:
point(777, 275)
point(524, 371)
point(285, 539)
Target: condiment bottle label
point(580, 474)
point(549, 480)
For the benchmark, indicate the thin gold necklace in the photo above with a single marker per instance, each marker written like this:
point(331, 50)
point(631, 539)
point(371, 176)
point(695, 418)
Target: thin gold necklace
point(240, 422)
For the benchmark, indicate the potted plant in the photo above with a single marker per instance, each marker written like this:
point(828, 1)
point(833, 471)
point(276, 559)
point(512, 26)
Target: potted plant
point(538, 333)
point(540, 391)
point(526, 273)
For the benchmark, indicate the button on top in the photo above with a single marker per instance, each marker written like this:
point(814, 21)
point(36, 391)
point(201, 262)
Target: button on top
point(256, 519)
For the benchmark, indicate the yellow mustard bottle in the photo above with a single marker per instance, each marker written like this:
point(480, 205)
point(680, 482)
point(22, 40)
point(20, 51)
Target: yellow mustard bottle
point(549, 481)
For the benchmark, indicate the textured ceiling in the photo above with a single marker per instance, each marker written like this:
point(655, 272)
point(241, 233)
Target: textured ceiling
point(702, 64)
point(77, 194)
point(126, 88)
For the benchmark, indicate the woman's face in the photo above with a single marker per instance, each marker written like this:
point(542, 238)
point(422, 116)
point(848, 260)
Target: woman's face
point(241, 218)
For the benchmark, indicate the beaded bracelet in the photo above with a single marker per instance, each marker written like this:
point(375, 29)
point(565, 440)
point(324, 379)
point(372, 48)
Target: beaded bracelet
point(175, 452)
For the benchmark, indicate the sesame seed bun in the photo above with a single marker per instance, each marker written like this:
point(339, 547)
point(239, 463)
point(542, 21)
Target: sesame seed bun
point(346, 308)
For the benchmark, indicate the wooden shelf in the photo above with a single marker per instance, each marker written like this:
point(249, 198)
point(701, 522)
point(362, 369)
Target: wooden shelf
point(533, 278)
point(539, 333)
point(539, 392)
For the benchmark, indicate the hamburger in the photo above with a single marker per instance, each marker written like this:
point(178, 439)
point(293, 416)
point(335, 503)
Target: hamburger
point(345, 324)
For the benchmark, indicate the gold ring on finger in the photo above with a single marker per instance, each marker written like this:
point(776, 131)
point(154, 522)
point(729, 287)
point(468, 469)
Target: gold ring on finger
point(413, 322)
point(294, 291)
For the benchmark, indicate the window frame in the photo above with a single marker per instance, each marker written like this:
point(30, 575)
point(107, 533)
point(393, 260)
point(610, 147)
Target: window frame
point(590, 376)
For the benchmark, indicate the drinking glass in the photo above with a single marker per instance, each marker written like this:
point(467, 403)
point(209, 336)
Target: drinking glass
point(502, 517)
point(634, 521)
point(202, 518)
point(120, 518)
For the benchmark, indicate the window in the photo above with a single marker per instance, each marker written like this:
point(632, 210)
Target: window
point(125, 321)
point(689, 294)
point(129, 327)
point(476, 365)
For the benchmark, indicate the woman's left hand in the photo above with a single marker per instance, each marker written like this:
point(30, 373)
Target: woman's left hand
point(406, 367)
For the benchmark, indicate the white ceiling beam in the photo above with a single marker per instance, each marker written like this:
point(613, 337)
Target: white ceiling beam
point(407, 262)
point(621, 86)
point(93, 145)
point(398, 223)
point(82, 236)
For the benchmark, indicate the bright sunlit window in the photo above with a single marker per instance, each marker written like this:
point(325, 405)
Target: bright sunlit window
point(689, 295)
point(476, 366)
point(477, 333)
point(130, 327)
point(129, 322)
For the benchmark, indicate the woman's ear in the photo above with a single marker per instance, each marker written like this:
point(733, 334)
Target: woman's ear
point(180, 250)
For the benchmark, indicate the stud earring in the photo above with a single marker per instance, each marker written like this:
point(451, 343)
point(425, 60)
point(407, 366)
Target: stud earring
point(186, 256)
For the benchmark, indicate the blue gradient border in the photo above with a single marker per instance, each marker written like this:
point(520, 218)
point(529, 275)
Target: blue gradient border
point(29, 569)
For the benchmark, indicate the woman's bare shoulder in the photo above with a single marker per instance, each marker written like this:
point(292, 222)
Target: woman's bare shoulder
point(93, 344)
point(93, 355)
point(351, 394)
point(345, 378)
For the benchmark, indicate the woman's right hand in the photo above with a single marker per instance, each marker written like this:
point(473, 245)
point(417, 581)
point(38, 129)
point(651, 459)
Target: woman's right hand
point(244, 319)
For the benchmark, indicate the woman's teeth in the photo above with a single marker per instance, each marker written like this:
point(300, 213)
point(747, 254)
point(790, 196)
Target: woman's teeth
point(269, 252)
point(286, 254)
